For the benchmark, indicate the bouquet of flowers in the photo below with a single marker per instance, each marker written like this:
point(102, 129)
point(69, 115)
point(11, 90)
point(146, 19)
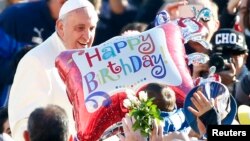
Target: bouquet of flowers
point(143, 111)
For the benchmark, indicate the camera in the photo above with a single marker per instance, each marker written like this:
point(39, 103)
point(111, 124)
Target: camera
point(219, 61)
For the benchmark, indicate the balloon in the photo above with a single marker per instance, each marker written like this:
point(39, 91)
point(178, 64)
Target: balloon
point(162, 17)
point(177, 52)
point(244, 114)
point(96, 78)
point(219, 92)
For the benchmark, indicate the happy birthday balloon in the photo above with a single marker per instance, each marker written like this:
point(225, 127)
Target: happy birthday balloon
point(96, 78)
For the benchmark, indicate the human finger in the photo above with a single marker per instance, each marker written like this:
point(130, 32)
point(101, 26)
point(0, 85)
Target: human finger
point(160, 130)
point(129, 121)
point(193, 111)
point(196, 102)
point(121, 137)
point(132, 120)
point(203, 97)
point(155, 129)
point(201, 100)
point(125, 126)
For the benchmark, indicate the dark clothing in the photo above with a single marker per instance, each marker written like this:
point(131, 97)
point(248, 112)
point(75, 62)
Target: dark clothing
point(232, 88)
point(222, 4)
point(210, 118)
point(243, 91)
point(243, 73)
point(245, 83)
point(247, 38)
point(148, 10)
point(21, 25)
point(226, 19)
point(108, 27)
point(9, 73)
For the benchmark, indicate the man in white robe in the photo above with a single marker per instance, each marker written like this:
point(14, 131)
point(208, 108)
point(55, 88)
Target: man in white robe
point(37, 82)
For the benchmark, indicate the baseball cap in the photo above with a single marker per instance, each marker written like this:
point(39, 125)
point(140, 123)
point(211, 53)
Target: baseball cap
point(229, 41)
point(71, 5)
point(211, 89)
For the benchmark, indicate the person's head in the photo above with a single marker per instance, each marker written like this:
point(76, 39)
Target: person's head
point(231, 45)
point(4, 121)
point(48, 124)
point(77, 24)
point(244, 13)
point(164, 96)
point(213, 24)
point(134, 26)
point(118, 6)
point(54, 7)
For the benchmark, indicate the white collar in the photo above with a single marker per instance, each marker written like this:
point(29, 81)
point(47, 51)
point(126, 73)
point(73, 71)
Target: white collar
point(58, 42)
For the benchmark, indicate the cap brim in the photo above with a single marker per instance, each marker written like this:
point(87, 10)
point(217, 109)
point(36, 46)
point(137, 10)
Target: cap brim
point(236, 50)
point(217, 87)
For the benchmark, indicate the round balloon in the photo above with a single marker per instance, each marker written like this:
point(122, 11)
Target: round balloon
point(244, 114)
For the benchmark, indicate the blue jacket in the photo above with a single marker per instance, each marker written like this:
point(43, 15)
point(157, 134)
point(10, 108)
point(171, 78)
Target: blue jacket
point(21, 25)
point(175, 121)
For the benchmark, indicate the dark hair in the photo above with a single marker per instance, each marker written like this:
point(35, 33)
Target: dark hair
point(138, 26)
point(48, 124)
point(3, 117)
point(164, 96)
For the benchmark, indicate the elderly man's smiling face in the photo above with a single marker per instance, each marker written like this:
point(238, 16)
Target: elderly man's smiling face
point(77, 28)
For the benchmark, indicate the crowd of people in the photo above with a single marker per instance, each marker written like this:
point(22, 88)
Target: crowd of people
point(34, 32)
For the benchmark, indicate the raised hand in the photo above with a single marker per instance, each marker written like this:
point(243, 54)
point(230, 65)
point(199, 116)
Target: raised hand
point(201, 103)
point(130, 134)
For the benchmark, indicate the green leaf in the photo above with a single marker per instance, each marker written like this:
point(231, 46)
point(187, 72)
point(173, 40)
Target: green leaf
point(149, 103)
point(144, 115)
point(136, 126)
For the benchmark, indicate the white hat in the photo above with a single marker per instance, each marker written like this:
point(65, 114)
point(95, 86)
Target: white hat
point(71, 5)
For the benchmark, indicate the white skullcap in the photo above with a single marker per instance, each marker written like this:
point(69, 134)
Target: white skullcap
point(71, 5)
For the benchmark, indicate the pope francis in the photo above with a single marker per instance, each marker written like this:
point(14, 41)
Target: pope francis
point(37, 82)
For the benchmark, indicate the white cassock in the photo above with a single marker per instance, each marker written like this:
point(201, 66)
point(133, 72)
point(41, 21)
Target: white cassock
point(37, 83)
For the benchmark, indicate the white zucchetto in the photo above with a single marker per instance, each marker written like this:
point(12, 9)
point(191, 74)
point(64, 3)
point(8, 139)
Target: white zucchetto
point(71, 5)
